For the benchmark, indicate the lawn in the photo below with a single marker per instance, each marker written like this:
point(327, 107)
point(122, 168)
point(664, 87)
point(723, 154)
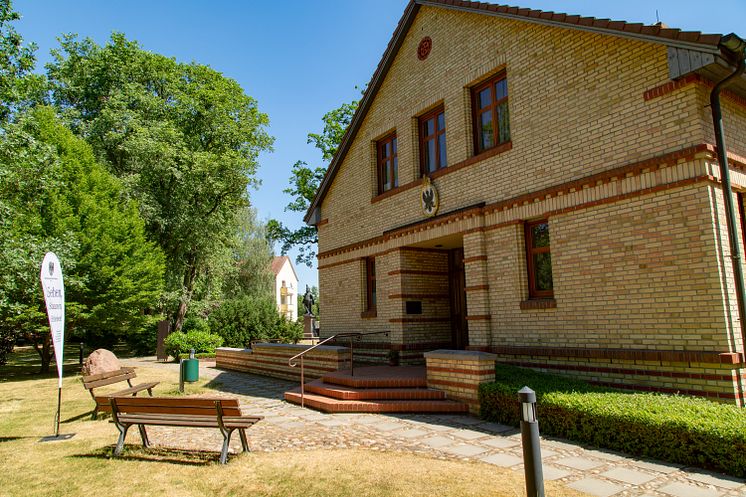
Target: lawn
point(82, 465)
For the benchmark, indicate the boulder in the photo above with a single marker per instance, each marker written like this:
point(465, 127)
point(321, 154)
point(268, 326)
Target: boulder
point(100, 361)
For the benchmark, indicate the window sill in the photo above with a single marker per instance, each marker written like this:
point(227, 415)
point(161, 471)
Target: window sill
point(368, 314)
point(539, 304)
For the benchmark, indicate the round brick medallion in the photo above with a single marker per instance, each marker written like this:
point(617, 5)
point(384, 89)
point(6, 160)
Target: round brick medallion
point(423, 49)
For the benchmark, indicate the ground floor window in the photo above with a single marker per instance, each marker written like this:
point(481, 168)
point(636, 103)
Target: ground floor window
point(539, 260)
point(370, 284)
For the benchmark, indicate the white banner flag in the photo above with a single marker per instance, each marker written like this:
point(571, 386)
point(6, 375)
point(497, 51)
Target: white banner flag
point(54, 296)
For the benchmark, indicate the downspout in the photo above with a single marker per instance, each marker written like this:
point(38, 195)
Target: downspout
point(733, 47)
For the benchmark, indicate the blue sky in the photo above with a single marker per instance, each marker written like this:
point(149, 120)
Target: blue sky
point(300, 59)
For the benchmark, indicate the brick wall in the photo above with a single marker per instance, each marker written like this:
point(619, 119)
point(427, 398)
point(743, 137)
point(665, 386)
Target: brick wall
point(579, 95)
point(627, 179)
point(271, 359)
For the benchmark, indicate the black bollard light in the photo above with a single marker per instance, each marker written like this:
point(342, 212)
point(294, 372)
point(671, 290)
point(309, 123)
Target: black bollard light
point(80, 353)
point(531, 445)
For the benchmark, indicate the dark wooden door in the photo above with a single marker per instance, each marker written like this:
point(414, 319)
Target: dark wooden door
point(457, 287)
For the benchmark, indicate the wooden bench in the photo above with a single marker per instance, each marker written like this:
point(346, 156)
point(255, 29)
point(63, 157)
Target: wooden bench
point(109, 378)
point(195, 412)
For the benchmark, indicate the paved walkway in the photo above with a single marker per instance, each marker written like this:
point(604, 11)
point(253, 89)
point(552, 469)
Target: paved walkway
point(289, 427)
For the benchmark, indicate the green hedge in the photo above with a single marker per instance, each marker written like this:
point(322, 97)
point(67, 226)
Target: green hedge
point(673, 428)
point(201, 355)
point(178, 343)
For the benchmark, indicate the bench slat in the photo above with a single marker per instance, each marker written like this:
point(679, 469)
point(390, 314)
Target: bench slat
point(109, 380)
point(195, 406)
point(189, 421)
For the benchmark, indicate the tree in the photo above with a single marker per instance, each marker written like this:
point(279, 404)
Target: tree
point(18, 86)
point(305, 181)
point(58, 197)
point(182, 137)
point(251, 257)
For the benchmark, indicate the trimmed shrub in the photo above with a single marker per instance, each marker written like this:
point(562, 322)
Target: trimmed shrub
point(202, 355)
point(181, 343)
point(673, 428)
point(289, 331)
point(241, 321)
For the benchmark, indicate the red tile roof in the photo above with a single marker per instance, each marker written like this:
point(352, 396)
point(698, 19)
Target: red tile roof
point(278, 262)
point(658, 30)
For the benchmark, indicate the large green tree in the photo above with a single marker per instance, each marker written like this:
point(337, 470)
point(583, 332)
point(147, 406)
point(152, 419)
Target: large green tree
point(182, 137)
point(19, 87)
point(54, 195)
point(305, 181)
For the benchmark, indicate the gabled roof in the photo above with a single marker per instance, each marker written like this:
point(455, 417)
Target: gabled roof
point(692, 40)
point(279, 261)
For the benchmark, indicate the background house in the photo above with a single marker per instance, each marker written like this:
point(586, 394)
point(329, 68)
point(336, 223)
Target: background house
point(286, 287)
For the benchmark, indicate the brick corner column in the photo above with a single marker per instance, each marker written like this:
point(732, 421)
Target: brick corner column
point(459, 373)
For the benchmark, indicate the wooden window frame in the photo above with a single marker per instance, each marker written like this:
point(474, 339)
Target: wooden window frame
point(381, 162)
point(440, 162)
point(477, 112)
point(371, 291)
point(533, 292)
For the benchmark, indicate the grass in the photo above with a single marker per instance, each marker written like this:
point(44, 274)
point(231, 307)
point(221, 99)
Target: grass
point(83, 466)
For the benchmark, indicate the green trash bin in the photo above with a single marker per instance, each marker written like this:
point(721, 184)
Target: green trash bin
point(190, 370)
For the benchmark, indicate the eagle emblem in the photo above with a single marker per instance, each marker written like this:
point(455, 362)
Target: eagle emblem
point(429, 198)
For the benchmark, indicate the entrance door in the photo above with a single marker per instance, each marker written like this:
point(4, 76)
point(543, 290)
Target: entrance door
point(457, 285)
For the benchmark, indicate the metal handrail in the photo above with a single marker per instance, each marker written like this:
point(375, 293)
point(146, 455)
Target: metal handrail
point(292, 363)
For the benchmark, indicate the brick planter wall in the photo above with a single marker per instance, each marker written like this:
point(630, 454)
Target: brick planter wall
point(459, 373)
point(271, 359)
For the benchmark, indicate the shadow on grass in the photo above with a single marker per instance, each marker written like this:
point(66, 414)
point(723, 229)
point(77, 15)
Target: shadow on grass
point(13, 439)
point(156, 454)
point(24, 364)
point(86, 415)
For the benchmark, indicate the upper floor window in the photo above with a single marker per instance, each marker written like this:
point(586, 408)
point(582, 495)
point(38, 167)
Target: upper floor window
point(491, 122)
point(388, 163)
point(539, 260)
point(433, 141)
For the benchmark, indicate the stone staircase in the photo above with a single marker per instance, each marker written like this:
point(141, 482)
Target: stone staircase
point(375, 389)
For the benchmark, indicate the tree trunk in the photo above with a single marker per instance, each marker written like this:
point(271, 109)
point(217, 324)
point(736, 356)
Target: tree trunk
point(43, 346)
point(190, 274)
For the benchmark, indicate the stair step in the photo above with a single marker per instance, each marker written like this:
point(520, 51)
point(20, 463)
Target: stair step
point(352, 393)
point(379, 377)
point(330, 405)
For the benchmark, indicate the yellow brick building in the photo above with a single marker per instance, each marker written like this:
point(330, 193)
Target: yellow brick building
point(544, 187)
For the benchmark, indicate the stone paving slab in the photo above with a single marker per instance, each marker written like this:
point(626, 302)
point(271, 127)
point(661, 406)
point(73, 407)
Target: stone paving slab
point(504, 460)
point(290, 427)
point(678, 489)
point(465, 450)
point(580, 463)
point(631, 476)
point(596, 487)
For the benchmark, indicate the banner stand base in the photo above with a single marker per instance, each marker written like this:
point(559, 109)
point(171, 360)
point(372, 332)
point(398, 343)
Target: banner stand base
point(57, 438)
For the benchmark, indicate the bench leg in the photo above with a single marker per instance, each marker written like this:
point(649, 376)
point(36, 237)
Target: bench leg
point(150, 392)
point(144, 436)
point(94, 414)
point(226, 443)
point(244, 441)
point(122, 435)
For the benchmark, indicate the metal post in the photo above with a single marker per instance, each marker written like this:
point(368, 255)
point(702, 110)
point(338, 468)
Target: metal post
point(181, 375)
point(531, 445)
point(302, 385)
point(80, 355)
